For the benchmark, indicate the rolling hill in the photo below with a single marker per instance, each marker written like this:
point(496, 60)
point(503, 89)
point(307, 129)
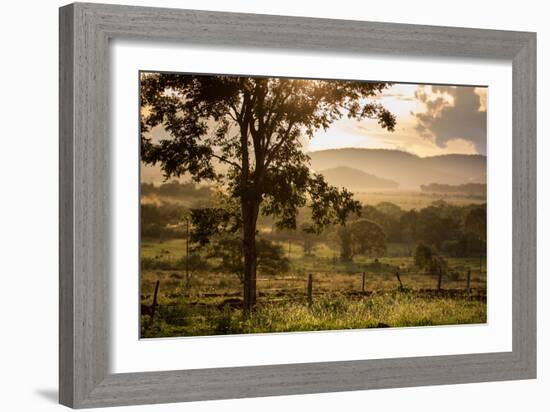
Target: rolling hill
point(355, 179)
point(406, 169)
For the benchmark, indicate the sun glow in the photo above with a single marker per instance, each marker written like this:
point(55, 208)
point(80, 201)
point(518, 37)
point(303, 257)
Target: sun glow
point(405, 101)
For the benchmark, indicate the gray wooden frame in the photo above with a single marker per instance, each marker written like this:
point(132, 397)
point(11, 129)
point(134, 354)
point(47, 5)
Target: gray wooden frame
point(85, 31)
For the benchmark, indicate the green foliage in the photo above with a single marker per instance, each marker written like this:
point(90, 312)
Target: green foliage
point(330, 205)
point(253, 127)
point(308, 238)
point(425, 258)
point(436, 224)
point(270, 115)
point(166, 221)
point(163, 221)
point(271, 258)
point(362, 236)
point(177, 189)
point(195, 263)
point(228, 250)
point(423, 255)
point(468, 244)
point(409, 226)
point(476, 222)
point(208, 222)
point(390, 209)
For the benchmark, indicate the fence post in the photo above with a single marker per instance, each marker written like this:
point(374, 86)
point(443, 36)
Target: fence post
point(187, 278)
point(468, 280)
point(309, 289)
point(363, 284)
point(439, 279)
point(154, 305)
point(399, 279)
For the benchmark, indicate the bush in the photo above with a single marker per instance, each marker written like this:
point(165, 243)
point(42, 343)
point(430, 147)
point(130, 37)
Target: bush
point(427, 259)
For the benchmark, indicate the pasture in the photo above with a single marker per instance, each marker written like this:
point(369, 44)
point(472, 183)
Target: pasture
point(415, 199)
point(207, 302)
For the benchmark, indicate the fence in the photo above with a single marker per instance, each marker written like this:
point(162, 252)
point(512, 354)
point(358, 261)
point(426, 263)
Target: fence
point(306, 288)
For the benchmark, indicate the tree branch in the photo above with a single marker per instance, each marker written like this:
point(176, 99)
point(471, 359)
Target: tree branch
point(278, 145)
point(226, 160)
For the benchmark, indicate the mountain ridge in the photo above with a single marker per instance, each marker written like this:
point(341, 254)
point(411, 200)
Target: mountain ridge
point(351, 178)
point(406, 169)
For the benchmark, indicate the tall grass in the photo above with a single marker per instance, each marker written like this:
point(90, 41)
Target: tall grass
point(335, 312)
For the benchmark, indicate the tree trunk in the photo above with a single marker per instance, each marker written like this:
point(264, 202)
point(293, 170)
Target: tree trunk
point(250, 216)
point(346, 251)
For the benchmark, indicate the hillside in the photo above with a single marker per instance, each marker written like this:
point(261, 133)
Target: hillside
point(406, 169)
point(355, 179)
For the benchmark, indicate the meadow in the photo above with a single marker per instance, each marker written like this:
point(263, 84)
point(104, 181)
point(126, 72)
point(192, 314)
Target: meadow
point(414, 199)
point(395, 293)
point(246, 227)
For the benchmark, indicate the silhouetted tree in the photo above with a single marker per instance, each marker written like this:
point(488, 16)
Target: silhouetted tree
point(254, 127)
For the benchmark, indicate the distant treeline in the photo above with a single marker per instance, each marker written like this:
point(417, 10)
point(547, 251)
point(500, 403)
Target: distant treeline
point(450, 229)
point(468, 188)
point(165, 217)
point(176, 189)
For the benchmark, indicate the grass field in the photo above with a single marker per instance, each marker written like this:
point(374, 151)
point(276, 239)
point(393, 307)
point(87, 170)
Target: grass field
point(408, 200)
point(208, 303)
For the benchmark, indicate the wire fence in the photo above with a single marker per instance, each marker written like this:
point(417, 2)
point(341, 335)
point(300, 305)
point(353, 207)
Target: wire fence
point(306, 288)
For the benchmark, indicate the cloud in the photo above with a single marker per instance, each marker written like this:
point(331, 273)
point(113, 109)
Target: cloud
point(397, 96)
point(452, 113)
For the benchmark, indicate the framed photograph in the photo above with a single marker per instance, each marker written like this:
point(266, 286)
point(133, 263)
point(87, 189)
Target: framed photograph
point(257, 205)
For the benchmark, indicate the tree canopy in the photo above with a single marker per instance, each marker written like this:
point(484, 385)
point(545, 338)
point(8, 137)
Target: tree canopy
point(252, 128)
point(246, 135)
point(362, 236)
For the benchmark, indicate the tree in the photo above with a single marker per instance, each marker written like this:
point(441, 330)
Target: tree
point(161, 221)
point(361, 237)
point(436, 224)
point(476, 222)
point(475, 226)
point(409, 227)
point(193, 264)
point(228, 249)
point(427, 259)
point(390, 209)
point(308, 238)
point(253, 128)
point(423, 255)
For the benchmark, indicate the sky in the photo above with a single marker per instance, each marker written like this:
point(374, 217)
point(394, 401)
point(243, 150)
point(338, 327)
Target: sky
point(431, 120)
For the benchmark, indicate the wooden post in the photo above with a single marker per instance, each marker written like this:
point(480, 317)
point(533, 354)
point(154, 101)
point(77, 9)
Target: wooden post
point(399, 279)
point(154, 305)
point(309, 289)
point(363, 284)
point(468, 280)
point(439, 279)
point(289, 248)
point(187, 252)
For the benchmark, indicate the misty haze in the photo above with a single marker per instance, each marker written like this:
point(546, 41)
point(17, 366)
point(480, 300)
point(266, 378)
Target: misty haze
point(281, 205)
